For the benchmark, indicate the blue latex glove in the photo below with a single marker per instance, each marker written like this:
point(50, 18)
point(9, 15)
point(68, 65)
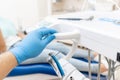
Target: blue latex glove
point(33, 44)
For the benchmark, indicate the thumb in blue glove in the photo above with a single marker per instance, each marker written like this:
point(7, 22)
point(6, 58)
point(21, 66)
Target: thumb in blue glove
point(33, 44)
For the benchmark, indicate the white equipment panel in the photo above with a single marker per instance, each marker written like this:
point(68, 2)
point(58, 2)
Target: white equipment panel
point(100, 36)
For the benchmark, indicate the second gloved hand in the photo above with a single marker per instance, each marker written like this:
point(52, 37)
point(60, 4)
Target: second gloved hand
point(33, 44)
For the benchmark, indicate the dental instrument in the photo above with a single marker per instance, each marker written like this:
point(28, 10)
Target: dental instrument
point(78, 19)
point(64, 69)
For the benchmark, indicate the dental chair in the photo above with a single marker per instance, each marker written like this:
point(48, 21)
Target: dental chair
point(43, 68)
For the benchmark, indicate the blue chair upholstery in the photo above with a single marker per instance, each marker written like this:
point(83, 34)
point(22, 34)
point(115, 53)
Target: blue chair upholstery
point(44, 68)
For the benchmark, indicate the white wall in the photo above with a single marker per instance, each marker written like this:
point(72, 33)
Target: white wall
point(44, 8)
point(24, 12)
point(7, 10)
point(27, 12)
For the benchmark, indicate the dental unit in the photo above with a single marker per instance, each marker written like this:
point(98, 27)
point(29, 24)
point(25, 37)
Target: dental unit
point(94, 35)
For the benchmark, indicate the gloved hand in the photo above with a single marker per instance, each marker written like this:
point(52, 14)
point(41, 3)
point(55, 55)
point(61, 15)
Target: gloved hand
point(33, 44)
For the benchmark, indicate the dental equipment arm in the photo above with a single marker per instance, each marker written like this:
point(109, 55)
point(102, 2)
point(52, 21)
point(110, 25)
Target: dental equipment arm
point(74, 36)
point(70, 72)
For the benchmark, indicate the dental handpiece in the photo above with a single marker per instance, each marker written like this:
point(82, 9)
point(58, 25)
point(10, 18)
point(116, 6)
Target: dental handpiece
point(73, 35)
point(67, 35)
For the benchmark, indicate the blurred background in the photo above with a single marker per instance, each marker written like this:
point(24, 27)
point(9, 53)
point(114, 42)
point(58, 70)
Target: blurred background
point(29, 12)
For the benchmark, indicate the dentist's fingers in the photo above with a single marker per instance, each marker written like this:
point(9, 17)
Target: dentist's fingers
point(49, 38)
point(46, 31)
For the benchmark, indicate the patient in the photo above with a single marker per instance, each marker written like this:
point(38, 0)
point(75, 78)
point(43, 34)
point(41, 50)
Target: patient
point(54, 47)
